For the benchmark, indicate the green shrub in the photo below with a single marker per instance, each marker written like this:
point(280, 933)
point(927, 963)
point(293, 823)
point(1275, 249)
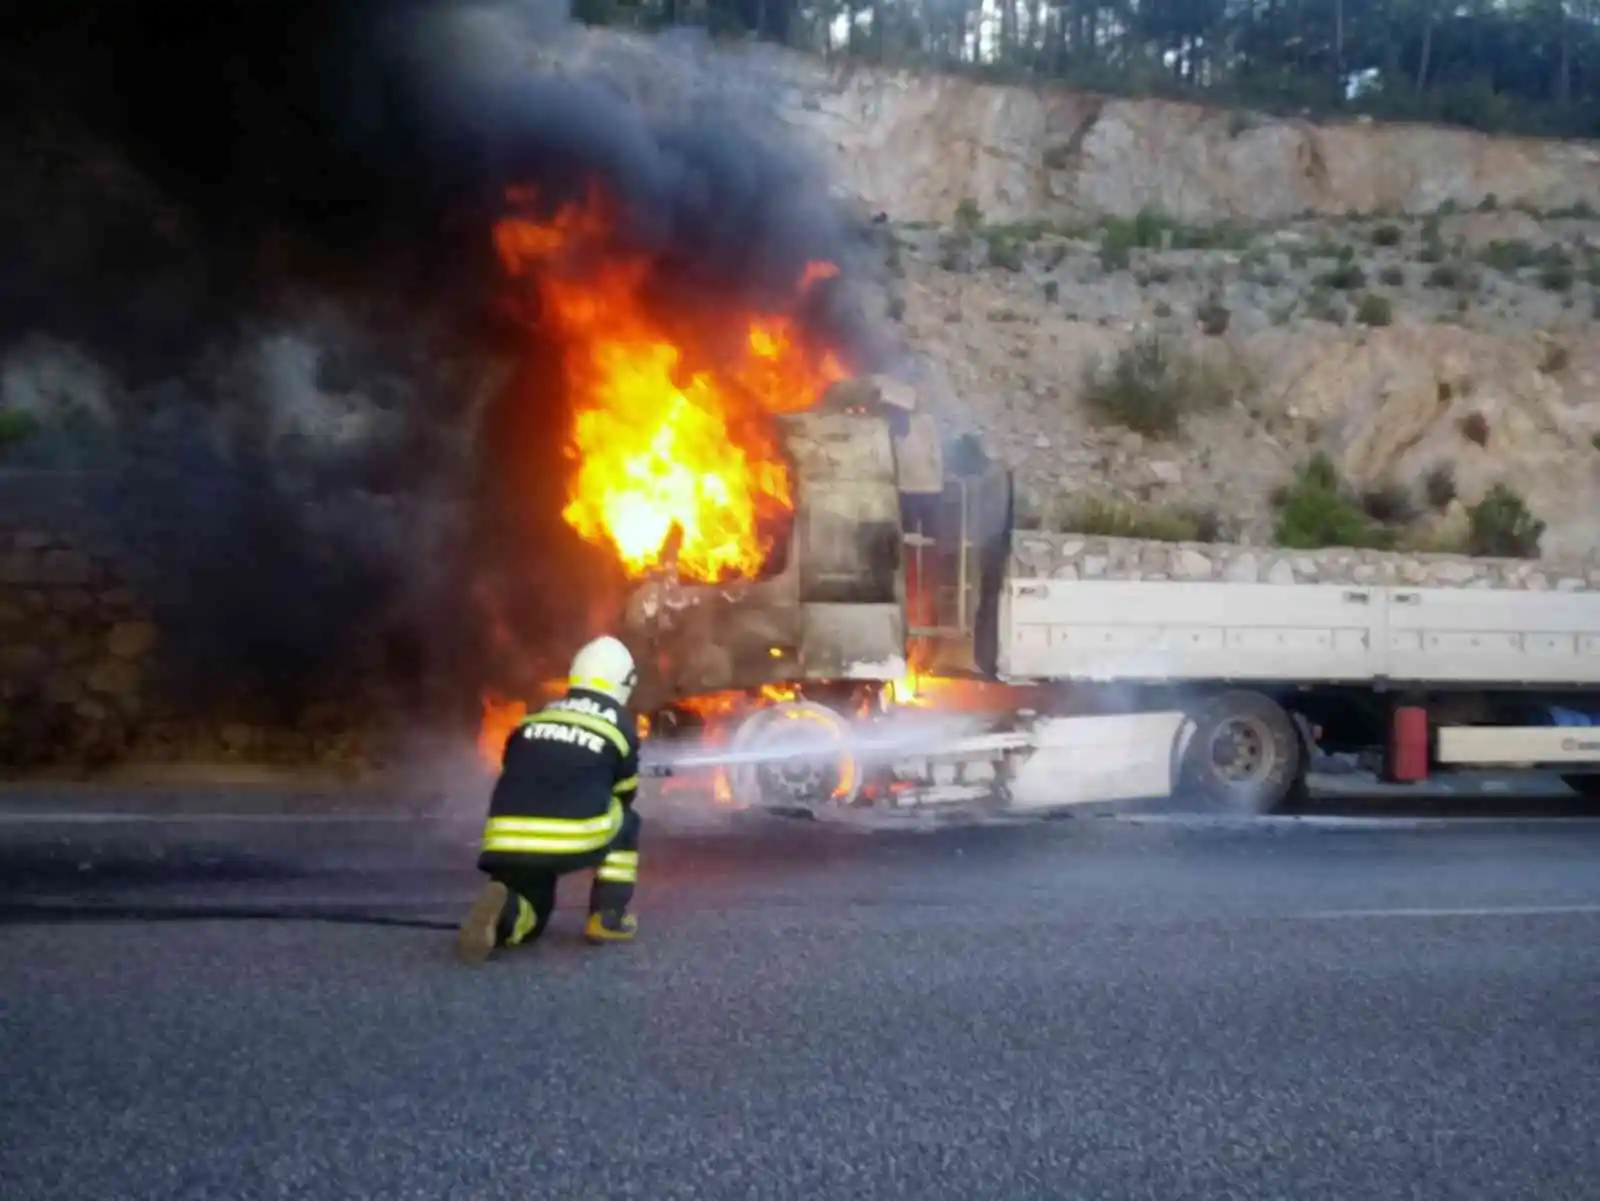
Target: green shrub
point(1214, 317)
point(968, 214)
point(1315, 511)
point(1554, 255)
point(1439, 486)
point(1374, 310)
point(1387, 235)
point(1149, 228)
point(1118, 240)
point(1052, 290)
point(1444, 275)
point(1112, 519)
point(1346, 276)
point(1115, 256)
point(1005, 251)
point(1388, 504)
point(1508, 255)
point(1394, 276)
point(1150, 390)
point(1501, 526)
point(1557, 277)
point(16, 425)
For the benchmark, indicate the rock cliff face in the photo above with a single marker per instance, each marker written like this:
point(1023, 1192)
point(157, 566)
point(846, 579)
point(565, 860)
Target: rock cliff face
point(914, 144)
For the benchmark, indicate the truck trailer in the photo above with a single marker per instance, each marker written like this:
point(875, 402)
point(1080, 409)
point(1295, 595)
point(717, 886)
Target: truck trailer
point(909, 646)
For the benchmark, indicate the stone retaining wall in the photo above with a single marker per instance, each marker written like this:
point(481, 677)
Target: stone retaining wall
point(75, 647)
point(84, 681)
point(1076, 556)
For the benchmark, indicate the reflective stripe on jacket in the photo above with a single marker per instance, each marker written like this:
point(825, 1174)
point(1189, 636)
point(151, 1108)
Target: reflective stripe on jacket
point(552, 835)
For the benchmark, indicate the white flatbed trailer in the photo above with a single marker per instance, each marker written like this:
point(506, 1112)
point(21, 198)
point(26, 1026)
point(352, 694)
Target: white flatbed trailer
point(1221, 692)
point(1182, 675)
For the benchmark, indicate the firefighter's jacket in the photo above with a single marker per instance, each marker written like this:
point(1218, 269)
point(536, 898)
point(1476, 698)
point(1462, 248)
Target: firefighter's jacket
point(567, 774)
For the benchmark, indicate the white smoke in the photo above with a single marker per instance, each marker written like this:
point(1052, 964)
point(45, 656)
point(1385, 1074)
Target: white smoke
point(61, 386)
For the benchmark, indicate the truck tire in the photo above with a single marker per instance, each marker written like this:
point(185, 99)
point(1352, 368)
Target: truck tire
point(815, 787)
point(1245, 755)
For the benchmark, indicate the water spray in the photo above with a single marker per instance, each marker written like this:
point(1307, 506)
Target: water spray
point(882, 743)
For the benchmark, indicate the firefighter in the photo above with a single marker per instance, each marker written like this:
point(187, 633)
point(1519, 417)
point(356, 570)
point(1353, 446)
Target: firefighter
point(564, 803)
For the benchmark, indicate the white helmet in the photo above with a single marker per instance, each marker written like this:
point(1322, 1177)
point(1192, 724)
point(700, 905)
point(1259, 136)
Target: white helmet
point(604, 666)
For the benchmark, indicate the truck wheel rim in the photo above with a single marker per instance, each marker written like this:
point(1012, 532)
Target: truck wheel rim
point(827, 777)
point(1241, 750)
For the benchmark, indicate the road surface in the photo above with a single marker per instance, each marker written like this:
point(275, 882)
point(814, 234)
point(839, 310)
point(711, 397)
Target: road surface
point(1074, 1009)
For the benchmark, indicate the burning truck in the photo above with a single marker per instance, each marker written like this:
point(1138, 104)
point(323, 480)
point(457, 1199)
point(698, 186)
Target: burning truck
point(868, 606)
point(796, 563)
point(827, 606)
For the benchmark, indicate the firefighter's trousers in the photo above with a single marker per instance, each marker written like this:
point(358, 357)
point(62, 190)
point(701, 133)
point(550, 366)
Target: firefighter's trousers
point(533, 883)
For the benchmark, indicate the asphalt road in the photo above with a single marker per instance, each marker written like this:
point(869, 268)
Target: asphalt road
point(1074, 1009)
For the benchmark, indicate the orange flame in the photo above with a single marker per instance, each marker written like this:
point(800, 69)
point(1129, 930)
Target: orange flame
point(500, 717)
point(671, 440)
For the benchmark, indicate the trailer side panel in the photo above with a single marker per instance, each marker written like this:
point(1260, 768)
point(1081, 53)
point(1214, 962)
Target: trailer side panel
point(1176, 631)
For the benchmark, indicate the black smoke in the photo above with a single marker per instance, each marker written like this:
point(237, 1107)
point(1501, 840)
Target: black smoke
point(378, 138)
point(200, 183)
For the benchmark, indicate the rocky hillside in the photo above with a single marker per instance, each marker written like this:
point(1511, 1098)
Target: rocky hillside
point(1158, 313)
point(917, 143)
point(1157, 369)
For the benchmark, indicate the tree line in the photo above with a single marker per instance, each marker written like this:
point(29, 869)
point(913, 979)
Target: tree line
point(1504, 66)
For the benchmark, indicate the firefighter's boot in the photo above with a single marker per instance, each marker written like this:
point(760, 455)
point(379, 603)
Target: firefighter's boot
point(498, 918)
point(610, 925)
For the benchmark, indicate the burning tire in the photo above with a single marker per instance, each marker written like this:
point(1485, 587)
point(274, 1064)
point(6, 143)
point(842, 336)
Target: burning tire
point(1245, 755)
point(810, 771)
